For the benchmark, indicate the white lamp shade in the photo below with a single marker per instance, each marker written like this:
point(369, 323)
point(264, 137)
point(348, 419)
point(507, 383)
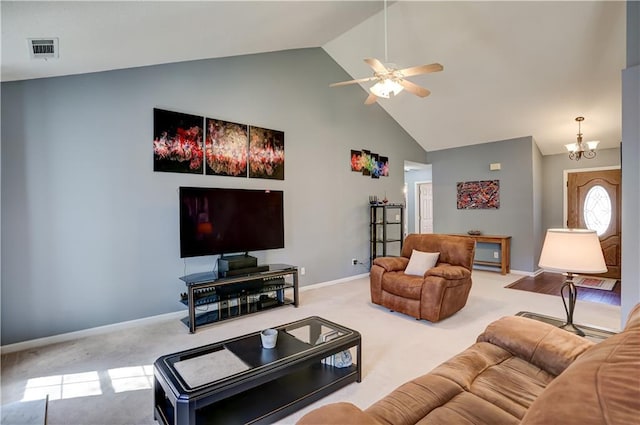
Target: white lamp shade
point(572, 250)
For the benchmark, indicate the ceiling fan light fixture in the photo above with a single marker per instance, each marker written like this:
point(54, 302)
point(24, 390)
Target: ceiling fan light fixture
point(385, 87)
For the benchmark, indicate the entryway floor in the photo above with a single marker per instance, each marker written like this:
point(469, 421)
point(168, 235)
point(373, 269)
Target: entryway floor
point(550, 283)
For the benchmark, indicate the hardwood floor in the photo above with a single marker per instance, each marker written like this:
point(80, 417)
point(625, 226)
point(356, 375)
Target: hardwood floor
point(550, 283)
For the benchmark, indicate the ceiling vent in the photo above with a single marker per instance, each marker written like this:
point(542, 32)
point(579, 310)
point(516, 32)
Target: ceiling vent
point(43, 48)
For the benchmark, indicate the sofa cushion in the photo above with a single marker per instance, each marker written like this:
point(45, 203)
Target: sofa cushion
point(420, 262)
point(483, 384)
point(544, 345)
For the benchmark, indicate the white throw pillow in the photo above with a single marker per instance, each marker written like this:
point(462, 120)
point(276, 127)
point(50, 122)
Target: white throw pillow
point(420, 262)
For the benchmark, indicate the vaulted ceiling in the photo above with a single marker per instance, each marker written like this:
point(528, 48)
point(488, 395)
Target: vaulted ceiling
point(511, 69)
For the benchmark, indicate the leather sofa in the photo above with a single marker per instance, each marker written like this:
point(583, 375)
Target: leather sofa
point(440, 292)
point(520, 371)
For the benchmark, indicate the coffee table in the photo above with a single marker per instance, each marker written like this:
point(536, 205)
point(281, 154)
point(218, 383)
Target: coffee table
point(238, 382)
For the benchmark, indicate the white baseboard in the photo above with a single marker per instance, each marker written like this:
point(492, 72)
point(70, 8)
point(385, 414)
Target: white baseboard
point(333, 282)
point(39, 342)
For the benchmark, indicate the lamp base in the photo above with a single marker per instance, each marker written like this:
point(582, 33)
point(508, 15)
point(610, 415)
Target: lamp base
point(572, 293)
point(570, 327)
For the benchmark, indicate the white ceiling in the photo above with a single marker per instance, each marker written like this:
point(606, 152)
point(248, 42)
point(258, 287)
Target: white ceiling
point(511, 69)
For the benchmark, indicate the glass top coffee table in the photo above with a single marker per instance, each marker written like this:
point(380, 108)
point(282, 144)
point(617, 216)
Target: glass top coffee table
point(238, 382)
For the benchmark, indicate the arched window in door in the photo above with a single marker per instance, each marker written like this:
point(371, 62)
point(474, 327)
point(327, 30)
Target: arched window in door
point(597, 209)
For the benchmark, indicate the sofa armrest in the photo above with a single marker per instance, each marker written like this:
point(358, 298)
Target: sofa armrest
point(448, 272)
point(392, 264)
point(544, 345)
point(338, 414)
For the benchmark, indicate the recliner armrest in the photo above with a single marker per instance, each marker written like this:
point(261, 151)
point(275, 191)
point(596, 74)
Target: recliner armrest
point(544, 345)
point(448, 272)
point(392, 264)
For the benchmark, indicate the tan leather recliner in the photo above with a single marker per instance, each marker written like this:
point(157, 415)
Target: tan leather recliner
point(441, 292)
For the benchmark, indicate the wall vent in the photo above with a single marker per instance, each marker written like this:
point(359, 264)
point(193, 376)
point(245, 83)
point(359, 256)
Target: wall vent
point(43, 48)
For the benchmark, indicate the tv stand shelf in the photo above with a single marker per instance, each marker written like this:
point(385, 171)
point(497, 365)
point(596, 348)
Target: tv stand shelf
point(210, 299)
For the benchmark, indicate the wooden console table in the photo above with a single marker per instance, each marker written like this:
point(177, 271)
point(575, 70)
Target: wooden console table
point(505, 250)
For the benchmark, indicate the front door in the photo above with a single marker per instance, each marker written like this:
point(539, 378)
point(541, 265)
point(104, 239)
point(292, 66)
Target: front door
point(593, 202)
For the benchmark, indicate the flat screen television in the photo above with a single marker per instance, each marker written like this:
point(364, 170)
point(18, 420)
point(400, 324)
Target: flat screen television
point(224, 221)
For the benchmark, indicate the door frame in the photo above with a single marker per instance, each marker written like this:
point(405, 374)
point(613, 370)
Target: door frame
point(565, 180)
point(416, 197)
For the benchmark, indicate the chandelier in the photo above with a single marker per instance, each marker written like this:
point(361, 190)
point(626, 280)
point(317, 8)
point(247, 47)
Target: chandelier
point(581, 149)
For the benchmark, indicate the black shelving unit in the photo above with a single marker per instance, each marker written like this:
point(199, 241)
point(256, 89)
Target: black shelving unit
point(386, 230)
point(211, 299)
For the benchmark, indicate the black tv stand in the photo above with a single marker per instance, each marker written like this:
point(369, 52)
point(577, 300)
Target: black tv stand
point(228, 297)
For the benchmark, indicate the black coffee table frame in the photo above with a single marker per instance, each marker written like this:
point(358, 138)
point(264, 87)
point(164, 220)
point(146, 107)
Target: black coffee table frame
point(277, 383)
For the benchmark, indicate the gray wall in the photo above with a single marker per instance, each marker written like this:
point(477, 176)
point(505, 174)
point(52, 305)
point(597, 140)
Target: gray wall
point(90, 232)
point(410, 179)
point(515, 216)
point(630, 161)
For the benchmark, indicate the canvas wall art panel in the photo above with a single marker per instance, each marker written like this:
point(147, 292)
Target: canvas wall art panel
point(226, 148)
point(356, 161)
point(474, 195)
point(177, 142)
point(266, 153)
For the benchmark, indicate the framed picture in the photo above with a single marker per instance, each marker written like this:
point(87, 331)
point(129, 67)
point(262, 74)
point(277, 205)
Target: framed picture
point(266, 153)
point(226, 147)
point(474, 195)
point(177, 142)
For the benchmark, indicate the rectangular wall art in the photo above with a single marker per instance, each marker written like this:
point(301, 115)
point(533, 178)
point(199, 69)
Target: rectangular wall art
point(369, 164)
point(229, 148)
point(266, 153)
point(177, 142)
point(478, 195)
point(226, 148)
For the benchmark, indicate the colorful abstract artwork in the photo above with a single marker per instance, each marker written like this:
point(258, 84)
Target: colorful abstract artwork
point(177, 142)
point(226, 147)
point(478, 195)
point(266, 153)
point(369, 164)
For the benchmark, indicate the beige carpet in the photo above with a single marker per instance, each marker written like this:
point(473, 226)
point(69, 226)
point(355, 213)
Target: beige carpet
point(115, 367)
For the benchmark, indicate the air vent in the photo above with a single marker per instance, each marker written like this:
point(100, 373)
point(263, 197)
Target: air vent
point(43, 48)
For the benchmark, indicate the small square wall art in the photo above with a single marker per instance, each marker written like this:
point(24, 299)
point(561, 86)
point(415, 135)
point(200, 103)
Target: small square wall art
point(369, 164)
point(177, 142)
point(478, 195)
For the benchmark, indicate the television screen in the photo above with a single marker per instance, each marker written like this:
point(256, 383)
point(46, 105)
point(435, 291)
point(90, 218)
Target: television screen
point(225, 221)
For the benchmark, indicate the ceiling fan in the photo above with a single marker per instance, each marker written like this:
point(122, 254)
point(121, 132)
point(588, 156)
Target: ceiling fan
point(391, 80)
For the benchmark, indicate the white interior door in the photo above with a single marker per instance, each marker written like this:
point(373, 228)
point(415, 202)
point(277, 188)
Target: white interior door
point(425, 207)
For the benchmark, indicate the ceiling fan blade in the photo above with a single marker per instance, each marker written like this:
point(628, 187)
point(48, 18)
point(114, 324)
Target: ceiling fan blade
point(422, 69)
point(371, 99)
point(414, 88)
point(376, 65)
point(344, 83)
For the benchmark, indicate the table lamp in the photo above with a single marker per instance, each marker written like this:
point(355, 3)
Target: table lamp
point(571, 251)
